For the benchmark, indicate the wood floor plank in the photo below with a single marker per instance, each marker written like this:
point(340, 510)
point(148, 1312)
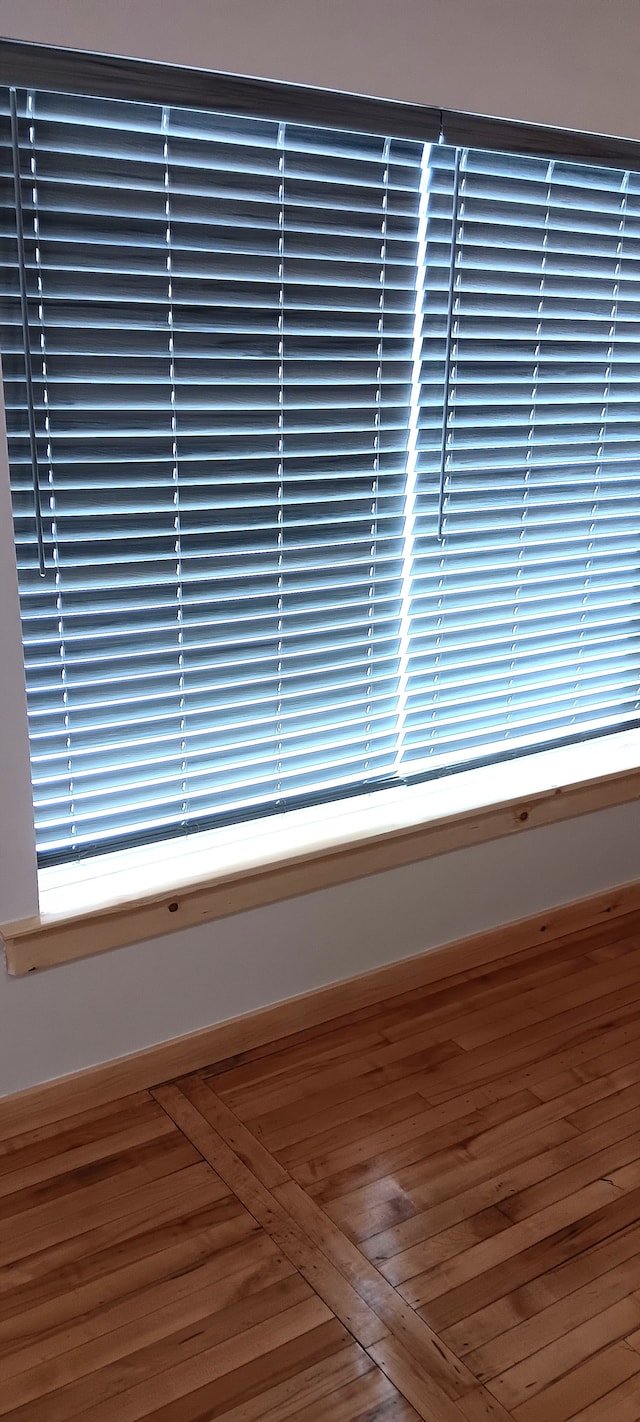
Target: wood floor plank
point(459, 1302)
point(622, 1404)
point(559, 1284)
point(57, 1136)
point(245, 1146)
point(155, 1321)
point(520, 1190)
point(355, 1127)
point(429, 1208)
point(230, 1355)
point(625, 1096)
point(27, 1181)
point(606, 1058)
point(447, 1244)
point(557, 1005)
point(596, 1165)
point(442, 1136)
point(527, 1064)
point(409, 1140)
point(290, 1204)
point(416, 1382)
point(185, 1110)
point(515, 1385)
point(304, 1388)
point(582, 1386)
point(180, 1222)
point(131, 1294)
point(373, 1397)
point(458, 1002)
point(287, 1127)
point(413, 1378)
point(542, 999)
point(488, 1254)
point(114, 1173)
point(430, 1179)
point(546, 1325)
point(443, 1365)
point(143, 1364)
point(45, 1225)
point(325, 1048)
point(267, 1380)
point(341, 1080)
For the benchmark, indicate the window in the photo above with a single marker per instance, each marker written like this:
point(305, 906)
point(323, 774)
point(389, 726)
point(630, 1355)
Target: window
point(325, 451)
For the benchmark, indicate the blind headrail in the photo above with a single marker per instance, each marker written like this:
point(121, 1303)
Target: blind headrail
point(116, 77)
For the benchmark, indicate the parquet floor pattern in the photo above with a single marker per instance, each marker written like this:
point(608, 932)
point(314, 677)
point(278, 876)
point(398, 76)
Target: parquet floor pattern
point(429, 1208)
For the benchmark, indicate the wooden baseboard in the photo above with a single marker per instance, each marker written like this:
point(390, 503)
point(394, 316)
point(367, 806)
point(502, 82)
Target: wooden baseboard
point(84, 1090)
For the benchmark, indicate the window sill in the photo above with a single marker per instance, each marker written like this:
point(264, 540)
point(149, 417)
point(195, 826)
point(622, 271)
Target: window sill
point(120, 899)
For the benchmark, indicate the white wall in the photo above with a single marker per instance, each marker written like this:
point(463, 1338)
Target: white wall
point(570, 62)
point(103, 1007)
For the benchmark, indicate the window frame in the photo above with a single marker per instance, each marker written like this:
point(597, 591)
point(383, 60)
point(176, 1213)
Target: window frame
point(557, 783)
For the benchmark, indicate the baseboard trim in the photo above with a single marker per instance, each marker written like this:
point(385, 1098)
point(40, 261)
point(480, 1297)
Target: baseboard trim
point(84, 1090)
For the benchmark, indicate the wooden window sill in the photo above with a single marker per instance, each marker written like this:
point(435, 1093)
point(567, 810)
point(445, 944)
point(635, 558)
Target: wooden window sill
point(118, 899)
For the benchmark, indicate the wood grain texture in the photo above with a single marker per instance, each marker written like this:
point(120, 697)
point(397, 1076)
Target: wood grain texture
point(427, 1207)
point(137, 1283)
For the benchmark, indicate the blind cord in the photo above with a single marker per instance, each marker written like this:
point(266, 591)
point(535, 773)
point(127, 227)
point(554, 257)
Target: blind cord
point(446, 404)
point(24, 312)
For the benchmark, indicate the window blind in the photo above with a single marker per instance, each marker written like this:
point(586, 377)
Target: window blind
point(525, 620)
point(337, 458)
point(221, 317)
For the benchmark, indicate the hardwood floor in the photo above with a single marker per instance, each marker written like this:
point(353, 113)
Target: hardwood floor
point(427, 1209)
